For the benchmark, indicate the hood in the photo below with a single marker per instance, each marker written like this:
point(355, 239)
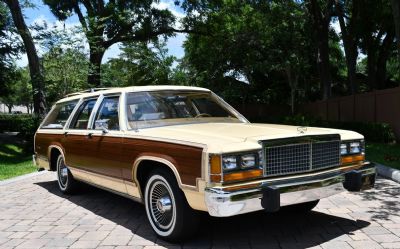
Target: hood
point(227, 137)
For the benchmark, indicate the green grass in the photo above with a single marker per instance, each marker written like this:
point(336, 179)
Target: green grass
point(13, 161)
point(386, 154)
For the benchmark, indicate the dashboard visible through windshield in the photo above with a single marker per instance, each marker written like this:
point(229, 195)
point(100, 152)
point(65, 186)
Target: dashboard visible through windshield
point(152, 109)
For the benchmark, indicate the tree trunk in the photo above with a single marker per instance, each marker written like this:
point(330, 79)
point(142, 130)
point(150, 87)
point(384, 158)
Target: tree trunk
point(95, 58)
point(383, 55)
point(350, 47)
point(321, 22)
point(35, 71)
point(323, 62)
point(371, 68)
point(396, 17)
point(9, 108)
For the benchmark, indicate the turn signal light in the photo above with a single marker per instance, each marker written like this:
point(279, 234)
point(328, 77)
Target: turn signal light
point(352, 159)
point(215, 164)
point(243, 175)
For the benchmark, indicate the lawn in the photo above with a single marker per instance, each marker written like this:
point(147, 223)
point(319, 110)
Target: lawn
point(386, 154)
point(13, 161)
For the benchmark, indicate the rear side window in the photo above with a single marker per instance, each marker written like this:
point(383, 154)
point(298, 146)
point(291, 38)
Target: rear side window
point(107, 115)
point(82, 116)
point(59, 115)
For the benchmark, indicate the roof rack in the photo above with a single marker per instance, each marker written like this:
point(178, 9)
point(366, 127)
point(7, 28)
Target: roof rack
point(90, 90)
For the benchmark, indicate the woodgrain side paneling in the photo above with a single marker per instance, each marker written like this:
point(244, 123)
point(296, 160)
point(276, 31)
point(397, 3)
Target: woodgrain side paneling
point(43, 142)
point(114, 156)
point(186, 159)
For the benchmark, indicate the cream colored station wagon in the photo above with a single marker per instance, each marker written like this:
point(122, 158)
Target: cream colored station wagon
point(180, 150)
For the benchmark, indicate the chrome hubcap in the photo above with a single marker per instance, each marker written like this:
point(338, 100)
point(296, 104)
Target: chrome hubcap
point(161, 205)
point(164, 204)
point(62, 172)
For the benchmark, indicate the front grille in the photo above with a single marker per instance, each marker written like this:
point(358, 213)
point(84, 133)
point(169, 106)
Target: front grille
point(301, 157)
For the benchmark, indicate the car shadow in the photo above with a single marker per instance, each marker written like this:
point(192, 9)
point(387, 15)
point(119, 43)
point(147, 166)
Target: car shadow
point(256, 230)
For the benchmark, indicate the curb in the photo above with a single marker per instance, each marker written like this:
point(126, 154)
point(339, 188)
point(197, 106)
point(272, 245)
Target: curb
point(19, 178)
point(388, 172)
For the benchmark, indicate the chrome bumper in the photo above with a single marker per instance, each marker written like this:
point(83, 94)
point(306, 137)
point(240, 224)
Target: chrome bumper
point(292, 190)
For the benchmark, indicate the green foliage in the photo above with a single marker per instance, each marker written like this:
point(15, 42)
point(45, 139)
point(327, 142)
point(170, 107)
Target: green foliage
point(14, 161)
point(9, 47)
point(374, 132)
point(386, 154)
point(25, 124)
point(252, 51)
point(139, 63)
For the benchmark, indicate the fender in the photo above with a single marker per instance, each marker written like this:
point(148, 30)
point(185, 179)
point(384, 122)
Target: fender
point(59, 148)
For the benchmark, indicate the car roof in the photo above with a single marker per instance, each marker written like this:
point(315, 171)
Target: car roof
point(98, 91)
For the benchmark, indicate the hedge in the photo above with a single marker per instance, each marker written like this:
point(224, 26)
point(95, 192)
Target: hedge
point(374, 132)
point(25, 124)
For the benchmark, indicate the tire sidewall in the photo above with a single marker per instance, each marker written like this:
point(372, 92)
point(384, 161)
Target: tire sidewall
point(151, 181)
point(60, 185)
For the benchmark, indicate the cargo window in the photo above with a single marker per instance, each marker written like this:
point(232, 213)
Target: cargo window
point(82, 116)
point(59, 115)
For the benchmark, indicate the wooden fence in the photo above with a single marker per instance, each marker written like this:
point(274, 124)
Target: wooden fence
point(382, 106)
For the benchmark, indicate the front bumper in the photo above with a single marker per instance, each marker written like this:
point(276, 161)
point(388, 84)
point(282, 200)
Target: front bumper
point(222, 202)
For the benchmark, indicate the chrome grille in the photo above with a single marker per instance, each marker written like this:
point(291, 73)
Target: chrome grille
point(305, 156)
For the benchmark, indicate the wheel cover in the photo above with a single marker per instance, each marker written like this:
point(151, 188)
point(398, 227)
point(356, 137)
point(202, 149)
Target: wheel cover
point(62, 172)
point(161, 205)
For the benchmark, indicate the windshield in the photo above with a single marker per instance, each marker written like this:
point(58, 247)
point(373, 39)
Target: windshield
point(151, 109)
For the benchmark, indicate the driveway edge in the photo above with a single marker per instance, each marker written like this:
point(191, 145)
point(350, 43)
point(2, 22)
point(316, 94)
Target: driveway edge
point(22, 177)
point(388, 172)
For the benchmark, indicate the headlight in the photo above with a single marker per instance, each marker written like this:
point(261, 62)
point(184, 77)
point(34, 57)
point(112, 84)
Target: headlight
point(229, 162)
point(352, 147)
point(248, 161)
point(343, 149)
point(355, 147)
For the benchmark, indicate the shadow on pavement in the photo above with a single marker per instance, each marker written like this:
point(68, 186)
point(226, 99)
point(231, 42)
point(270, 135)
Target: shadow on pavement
point(256, 230)
point(387, 194)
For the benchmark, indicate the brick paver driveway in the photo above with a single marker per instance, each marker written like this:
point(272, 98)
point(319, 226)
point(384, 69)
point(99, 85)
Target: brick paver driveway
point(33, 214)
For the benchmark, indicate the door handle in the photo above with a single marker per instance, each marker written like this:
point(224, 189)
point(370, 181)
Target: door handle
point(65, 133)
point(90, 135)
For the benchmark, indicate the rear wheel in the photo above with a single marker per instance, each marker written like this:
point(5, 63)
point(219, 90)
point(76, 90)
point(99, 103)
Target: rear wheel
point(66, 181)
point(169, 214)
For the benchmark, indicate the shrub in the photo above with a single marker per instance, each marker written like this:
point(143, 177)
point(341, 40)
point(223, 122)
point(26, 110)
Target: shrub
point(374, 132)
point(25, 124)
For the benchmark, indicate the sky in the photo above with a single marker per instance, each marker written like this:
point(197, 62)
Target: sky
point(41, 13)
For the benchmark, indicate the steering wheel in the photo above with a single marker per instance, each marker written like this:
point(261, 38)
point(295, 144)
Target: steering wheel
point(203, 115)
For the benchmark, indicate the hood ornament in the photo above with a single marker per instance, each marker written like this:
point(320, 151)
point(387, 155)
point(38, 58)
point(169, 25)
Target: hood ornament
point(302, 129)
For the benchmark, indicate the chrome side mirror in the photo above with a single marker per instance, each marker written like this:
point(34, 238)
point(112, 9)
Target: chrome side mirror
point(102, 125)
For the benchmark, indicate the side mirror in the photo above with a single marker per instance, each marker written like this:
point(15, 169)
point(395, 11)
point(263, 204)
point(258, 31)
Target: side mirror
point(104, 129)
point(101, 124)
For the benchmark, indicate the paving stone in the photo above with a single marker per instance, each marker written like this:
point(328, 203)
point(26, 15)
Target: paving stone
point(33, 243)
point(85, 244)
point(33, 215)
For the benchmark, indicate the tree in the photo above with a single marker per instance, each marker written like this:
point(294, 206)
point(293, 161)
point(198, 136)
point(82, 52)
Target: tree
point(350, 10)
point(9, 47)
point(377, 40)
point(108, 22)
point(64, 60)
point(36, 73)
point(396, 19)
point(140, 63)
point(321, 13)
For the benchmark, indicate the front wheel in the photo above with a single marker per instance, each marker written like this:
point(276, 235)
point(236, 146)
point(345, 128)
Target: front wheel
point(169, 214)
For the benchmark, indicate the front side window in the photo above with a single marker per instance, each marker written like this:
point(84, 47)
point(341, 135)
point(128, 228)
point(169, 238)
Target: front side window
point(151, 109)
point(82, 116)
point(107, 116)
point(59, 115)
